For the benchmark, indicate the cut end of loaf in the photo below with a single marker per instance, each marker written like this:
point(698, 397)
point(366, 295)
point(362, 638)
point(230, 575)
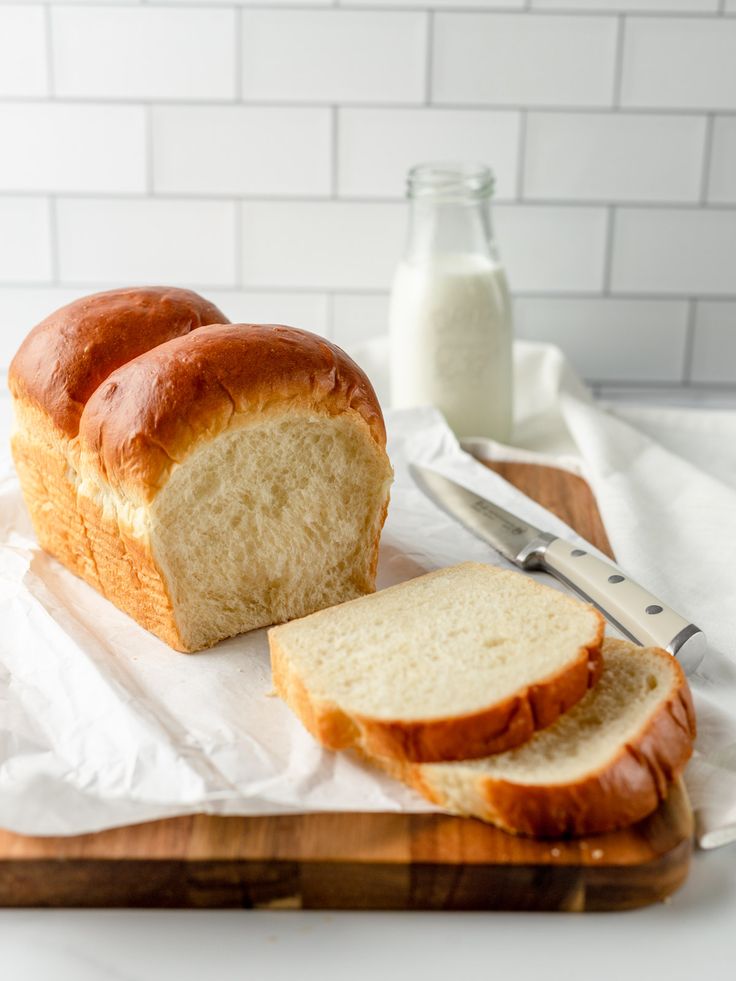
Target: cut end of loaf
point(463, 662)
point(283, 517)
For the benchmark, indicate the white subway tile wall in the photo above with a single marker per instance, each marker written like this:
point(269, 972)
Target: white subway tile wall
point(611, 339)
point(72, 147)
point(632, 6)
point(333, 55)
point(176, 241)
point(722, 177)
point(617, 157)
point(506, 59)
point(554, 249)
point(679, 63)
point(358, 316)
point(25, 240)
point(682, 251)
point(242, 150)
point(377, 147)
point(320, 245)
point(308, 310)
point(714, 351)
point(257, 150)
point(143, 52)
point(23, 56)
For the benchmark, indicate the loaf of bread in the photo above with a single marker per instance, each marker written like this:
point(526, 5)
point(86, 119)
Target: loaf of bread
point(56, 370)
point(460, 663)
point(208, 478)
point(605, 764)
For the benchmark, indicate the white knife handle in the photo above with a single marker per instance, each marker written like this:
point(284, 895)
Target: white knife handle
point(628, 605)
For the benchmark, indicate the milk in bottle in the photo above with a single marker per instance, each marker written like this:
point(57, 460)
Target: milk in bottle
point(450, 319)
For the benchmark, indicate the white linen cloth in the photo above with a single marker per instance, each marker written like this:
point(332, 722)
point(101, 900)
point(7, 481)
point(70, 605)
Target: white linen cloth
point(665, 483)
point(101, 724)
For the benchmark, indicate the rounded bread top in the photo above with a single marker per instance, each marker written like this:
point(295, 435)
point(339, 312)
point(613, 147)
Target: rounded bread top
point(153, 411)
point(68, 355)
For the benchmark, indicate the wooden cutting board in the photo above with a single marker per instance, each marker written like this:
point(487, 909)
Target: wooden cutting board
point(363, 861)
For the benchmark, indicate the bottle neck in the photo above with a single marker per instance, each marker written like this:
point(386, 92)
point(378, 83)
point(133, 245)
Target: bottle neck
point(449, 211)
point(452, 226)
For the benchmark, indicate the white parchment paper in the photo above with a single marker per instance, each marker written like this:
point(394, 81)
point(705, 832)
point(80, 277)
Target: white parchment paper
point(101, 724)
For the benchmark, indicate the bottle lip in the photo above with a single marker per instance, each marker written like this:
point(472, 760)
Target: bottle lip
point(450, 180)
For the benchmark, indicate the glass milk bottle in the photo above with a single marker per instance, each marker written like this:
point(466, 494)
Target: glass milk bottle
point(450, 319)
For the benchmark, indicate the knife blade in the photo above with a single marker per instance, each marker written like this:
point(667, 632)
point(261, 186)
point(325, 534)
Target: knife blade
point(628, 606)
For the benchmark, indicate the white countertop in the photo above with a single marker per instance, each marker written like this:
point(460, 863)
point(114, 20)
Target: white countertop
point(692, 936)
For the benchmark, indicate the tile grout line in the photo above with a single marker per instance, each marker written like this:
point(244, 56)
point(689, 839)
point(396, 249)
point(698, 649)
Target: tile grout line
point(295, 103)
point(238, 244)
point(521, 149)
point(537, 296)
point(373, 291)
point(334, 151)
point(369, 6)
point(238, 96)
point(330, 318)
point(644, 386)
point(710, 125)
point(608, 389)
point(48, 37)
point(608, 251)
point(368, 200)
point(54, 237)
point(618, 71)
point(148, 111)
point(429, 57)
point(687, 358)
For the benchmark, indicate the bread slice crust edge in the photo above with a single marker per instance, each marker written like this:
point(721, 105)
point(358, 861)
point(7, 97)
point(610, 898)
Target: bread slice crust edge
point(495, 729)
point(625, 789)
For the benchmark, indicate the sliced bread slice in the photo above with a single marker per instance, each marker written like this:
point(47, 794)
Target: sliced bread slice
point(457, 664)
point(604, 765)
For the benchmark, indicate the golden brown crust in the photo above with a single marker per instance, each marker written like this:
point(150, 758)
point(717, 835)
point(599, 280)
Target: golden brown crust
point(625, 790)
point(495, 729)
point(192, 388)
point(128, 575)
point(50, 493)
point(156, 407)
point(70, 353)
point(57, 368)
point(73, 529)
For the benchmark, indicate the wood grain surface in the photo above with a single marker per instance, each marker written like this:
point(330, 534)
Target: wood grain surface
point(363, 861)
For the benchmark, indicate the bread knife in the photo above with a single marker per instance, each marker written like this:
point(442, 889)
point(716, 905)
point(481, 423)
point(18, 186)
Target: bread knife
point(628, 606)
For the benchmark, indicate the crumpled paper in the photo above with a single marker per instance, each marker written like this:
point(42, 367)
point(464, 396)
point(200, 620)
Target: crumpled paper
point(101, 724)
